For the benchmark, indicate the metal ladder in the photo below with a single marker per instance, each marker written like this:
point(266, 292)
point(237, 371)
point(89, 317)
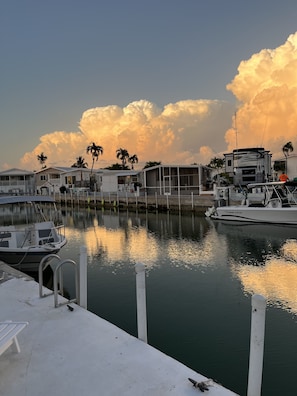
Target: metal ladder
point(58, 278)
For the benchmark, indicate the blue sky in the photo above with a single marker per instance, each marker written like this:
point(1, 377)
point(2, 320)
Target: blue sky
point(61, 58)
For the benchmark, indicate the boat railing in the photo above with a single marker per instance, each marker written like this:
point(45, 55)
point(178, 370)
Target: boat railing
point(291, 194)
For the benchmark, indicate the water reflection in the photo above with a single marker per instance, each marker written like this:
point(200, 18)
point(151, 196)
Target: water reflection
point(201, 275)
point(264, 258)
point(154, 240)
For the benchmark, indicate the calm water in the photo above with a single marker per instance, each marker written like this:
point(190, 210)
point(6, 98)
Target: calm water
point(200, 278)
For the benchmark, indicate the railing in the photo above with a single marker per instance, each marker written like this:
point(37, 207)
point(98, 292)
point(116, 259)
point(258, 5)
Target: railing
point(80, 271)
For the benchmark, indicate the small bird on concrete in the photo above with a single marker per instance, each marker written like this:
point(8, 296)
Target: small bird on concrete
point(202, 386)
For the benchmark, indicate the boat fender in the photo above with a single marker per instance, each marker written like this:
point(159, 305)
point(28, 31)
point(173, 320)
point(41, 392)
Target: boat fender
point(274, 203)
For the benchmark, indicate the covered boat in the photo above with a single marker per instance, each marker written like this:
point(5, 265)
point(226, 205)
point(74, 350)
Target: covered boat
point(29, 230)
point(276, 204)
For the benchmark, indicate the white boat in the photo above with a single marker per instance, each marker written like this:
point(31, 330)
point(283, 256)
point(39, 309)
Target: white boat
point(29, 236)
point(276, 205)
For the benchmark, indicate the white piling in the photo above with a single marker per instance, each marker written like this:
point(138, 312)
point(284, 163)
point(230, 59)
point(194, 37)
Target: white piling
point(256, 345)
point(82, 276)
point(141, 302)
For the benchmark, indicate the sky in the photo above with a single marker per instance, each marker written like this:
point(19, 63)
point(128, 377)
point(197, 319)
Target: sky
point(176, 81)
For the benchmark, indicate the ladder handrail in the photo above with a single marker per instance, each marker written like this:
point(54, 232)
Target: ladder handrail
point(58, 276)
point(45, 261)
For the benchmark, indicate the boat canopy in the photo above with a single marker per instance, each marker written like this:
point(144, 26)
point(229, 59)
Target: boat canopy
point(267, 184)
point(14, 199)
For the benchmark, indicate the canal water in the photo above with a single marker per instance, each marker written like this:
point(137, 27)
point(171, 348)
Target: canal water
point(200, 276)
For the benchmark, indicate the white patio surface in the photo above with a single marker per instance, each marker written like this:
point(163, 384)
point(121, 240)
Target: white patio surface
point(65, 352)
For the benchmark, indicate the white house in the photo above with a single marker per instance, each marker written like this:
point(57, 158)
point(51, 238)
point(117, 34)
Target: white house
point(118, 181)
point(50, 180)
point(288, 165)
point(17, 181)
point(249, 165)
point(176, 179)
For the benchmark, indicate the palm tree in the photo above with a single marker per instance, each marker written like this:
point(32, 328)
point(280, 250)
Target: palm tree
point(287, 149)
point(95, 152)
point(149, 164)
point(123, 155)
point(80, 163)
point(133, 160)
point(42, 158)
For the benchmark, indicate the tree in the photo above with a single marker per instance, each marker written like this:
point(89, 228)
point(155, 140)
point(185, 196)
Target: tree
point(287, 149)
point(80, 163)
point(149, 164)
point(41, 159)
point(116, 166)
point(216, 163)
point(95, 151)
point(133, 160)
point(123, 155)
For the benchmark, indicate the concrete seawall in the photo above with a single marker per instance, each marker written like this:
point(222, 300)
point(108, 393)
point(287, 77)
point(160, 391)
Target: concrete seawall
point(161, 203)
point(74, 352)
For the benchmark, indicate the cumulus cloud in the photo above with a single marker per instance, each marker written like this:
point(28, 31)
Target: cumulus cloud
point(266, 88)
point(181, 132)
point(191, 131)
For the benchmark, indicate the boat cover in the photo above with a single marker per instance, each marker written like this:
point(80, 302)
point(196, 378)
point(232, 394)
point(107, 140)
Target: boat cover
point(12, 199)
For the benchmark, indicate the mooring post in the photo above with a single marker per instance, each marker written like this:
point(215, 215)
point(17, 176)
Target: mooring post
point(256, 345)
point(82, 278)
point(141, 302)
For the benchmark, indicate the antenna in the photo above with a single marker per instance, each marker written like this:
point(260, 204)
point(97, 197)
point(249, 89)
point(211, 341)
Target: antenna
point(236, 132)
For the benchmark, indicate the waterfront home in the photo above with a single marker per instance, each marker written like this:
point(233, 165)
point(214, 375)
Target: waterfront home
point(248, 165)
point(121, 182)
point(53, 179)
point(17, 181)
point(176, 179)
point(286, 164)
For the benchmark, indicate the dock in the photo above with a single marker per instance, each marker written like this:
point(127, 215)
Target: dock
point(75, 352)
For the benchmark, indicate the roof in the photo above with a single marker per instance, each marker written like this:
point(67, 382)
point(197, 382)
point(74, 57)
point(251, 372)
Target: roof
point(63, 169)
point(173, 166)
point(16, 172)
point(12, 199)
point(119, 172)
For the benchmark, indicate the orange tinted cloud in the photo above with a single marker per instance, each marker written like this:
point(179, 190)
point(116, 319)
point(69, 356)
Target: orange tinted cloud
point(191, 131)
point(266, 87)
point(178, 133)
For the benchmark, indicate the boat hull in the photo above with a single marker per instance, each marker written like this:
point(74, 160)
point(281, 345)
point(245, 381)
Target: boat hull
point(28, 260)
point(256, 214)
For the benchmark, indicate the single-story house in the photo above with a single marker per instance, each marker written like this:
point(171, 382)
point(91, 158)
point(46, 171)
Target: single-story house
point(176, 179)
point(286, 164)
point(121, 182)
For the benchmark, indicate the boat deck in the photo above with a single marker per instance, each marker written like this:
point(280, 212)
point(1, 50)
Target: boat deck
point(75, 352)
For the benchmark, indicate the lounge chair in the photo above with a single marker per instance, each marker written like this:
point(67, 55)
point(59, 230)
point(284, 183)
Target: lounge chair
point(8, 335)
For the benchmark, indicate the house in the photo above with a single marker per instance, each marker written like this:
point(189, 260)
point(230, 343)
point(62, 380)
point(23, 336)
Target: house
point(50, 180)
point(121, 182)
point(286, 164)
point(17, 181)
point(176, 179)
point(248, 165)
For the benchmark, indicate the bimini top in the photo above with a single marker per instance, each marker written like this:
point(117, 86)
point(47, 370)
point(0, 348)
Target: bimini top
point(14, 199)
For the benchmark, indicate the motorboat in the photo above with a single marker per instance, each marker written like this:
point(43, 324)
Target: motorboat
point(273, 202)
point(26, 233)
